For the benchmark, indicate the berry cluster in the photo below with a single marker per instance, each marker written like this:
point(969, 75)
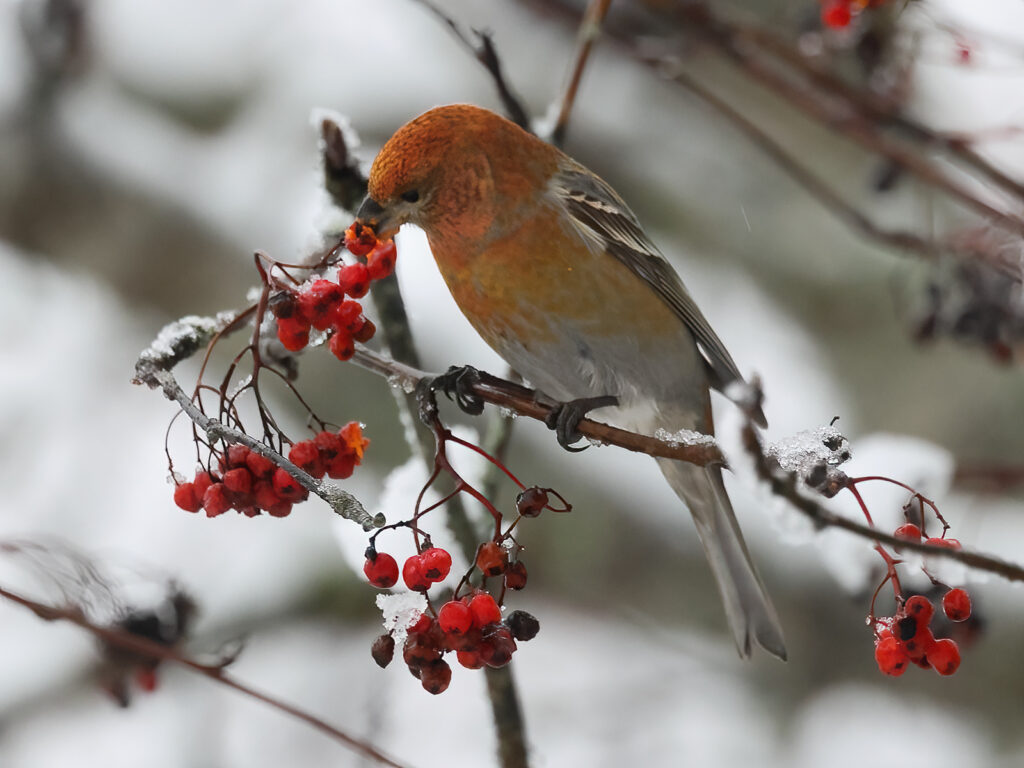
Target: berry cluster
point(322, 304)
point(470, 625)
point(250, 483)
point(907, 636)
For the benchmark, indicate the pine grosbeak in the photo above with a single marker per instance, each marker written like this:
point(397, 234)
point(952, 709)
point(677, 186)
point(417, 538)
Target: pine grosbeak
point(553, 270)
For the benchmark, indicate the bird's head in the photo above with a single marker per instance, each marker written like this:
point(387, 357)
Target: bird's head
point(447, 171)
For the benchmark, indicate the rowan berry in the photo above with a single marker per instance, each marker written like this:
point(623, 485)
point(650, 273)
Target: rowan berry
point(921, 608)
point(341, 345)
point(908, 532)
point(383, 650)
point(497, 647)
point(264, 495)
point(531, 502)
point(348, 316)
point(455, 618)
point(435, 676)
point(470, 659)
point(317, 303)
point(491, 558)
point(293, 333)
point(359, 239)
point(215, 500)
point(341, 466)
point(286, 487)
point(381, 261)
point(185, 497)
point(365, 332)
point(944, 656)
point(891, 658)
point(946, 543)
point(484, 609)
point(202, 481)
point(236, 455)
point(354, 280)
point(306, 456)
point(238, 480)
point(437, 563)
point(413, 575)
point(957, 604)
point(280, 509)
point(352, 438)
point(836, 14)
point(515, 575)
point(524, 626)
point(422, 625)
point(381, 569)
point(261, 467)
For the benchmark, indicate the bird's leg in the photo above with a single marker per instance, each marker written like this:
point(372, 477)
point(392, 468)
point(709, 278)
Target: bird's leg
point(565, 417)
point(457, 383)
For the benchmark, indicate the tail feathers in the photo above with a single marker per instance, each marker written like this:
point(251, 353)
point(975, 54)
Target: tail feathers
point(747, 606)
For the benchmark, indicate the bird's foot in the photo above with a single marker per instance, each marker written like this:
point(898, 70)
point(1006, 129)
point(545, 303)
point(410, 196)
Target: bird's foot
point(565, 418)
point(457, 384)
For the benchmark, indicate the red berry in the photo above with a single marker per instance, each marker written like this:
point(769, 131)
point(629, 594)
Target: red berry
point(921, 608)
point(497, 647)
point(341, 344)
point(202, 481)
point(293, 333)
point(436, 676)
point(318, 302)
point(146, 679)
point(354, 280)
point(470, 659)
point(280, 509)
point(531, 502)
point(491, 558)
point(341, 466)
point(381, 261)
point(283, 303)
point(348, 316)
point(381, 570)
point(329, 444)
point(422, 625)
point(455, 618)
point(261, 467)
point(515, 575)
point(286, 487)
point(413, 575)
point(365, 332)
point(944, 656)
point(957, 604)
point(215, 500)
point(238, 480)
point(236, 455)
point(890, 657)
point(359, 240)
point(945, 543)
point(909, 532)
point(306, 456)
point(185, 497)
point(436, 563)
point(484, 609)
point(836, 14)
point(264, 495)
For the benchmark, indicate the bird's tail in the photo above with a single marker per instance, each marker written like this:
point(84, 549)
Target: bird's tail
point(747, 606)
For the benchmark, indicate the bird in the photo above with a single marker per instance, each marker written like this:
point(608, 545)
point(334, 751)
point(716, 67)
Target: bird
point(554, 271)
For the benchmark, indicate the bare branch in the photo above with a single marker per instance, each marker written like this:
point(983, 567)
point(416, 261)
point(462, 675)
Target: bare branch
point(150, 649)
point(590, 30)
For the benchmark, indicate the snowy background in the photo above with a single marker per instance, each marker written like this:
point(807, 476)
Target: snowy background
point(135, 190)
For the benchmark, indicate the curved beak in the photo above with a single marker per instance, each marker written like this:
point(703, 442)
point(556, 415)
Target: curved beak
point(372, 214)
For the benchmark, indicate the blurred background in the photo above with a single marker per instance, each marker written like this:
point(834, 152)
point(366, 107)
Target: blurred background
point(149, 148)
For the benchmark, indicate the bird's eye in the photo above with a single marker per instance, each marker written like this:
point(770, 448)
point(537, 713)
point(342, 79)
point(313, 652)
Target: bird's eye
point(411, 196)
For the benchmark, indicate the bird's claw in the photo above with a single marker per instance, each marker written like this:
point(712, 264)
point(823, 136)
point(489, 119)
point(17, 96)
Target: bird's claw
point(457, 384)
point(564, 418)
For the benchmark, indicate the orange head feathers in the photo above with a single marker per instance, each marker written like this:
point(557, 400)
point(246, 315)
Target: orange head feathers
point(447, 167)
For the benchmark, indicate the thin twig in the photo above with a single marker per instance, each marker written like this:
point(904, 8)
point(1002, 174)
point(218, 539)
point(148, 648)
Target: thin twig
point(150, 649)
point(486, 53)
point(788, 486)
point(589, 31)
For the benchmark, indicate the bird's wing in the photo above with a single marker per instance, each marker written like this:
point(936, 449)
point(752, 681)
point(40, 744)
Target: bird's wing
point(605, 221)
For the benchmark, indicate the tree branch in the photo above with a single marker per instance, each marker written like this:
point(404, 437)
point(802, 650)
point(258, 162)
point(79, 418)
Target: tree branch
point(150, 649)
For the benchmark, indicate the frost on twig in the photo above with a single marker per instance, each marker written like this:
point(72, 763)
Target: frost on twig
point(814, 455)
point(178, 341)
